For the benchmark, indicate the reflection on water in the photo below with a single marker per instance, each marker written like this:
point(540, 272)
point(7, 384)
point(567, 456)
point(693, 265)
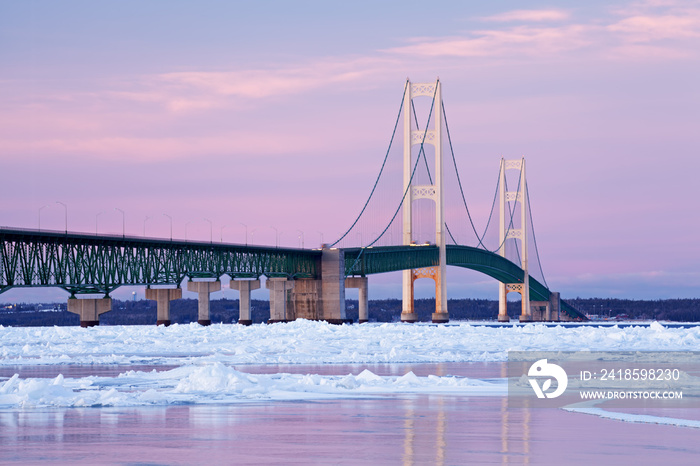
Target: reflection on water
point(411, 431)
point(408, 430)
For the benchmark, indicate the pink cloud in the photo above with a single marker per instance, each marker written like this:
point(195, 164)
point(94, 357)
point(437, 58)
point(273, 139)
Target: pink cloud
point(529, 15)
point(152, 149)
point(264, 83)
point(654, 28)
point(650, 24)
point(492, 43)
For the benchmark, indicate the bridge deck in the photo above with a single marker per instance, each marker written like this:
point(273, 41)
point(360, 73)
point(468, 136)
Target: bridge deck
point(83, 263)
point(367, 261)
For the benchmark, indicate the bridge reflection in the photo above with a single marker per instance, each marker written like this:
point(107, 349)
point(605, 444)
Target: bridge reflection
point(430, 423)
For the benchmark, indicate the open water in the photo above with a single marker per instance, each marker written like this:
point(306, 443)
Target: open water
point(405, 429)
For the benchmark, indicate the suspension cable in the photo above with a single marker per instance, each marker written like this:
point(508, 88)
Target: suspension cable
point(493, 208)
point(480, 238)
point(410, 181)
point(396, 125)
point(534, 238)
point(459, 181)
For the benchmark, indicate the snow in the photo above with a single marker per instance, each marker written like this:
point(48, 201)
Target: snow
point(587, 408)
point(216, 383)
point(203, 356)
point(309, 342)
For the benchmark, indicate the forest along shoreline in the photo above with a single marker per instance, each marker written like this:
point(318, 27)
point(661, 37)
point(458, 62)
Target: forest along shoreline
point(184, 311)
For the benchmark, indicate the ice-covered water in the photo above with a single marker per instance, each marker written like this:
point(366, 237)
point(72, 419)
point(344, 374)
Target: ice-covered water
point(195, 362)
point(309, 342)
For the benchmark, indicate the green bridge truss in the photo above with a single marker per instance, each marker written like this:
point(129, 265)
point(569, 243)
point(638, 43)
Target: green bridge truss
point(366, 261)
point(81, 263)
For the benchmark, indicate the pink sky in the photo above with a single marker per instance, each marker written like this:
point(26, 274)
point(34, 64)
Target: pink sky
point(278, 115)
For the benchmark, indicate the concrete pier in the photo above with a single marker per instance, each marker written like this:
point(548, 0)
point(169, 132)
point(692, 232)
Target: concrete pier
point(89, 309)
point(547, 311)
point(305, 300)
point(204, 289)
point(408, 313)
point(333, 286)
point(279, 295)
point(244, 287)
point(554, 306)
point(503, 303)
point(163, 296)
point(363, 305)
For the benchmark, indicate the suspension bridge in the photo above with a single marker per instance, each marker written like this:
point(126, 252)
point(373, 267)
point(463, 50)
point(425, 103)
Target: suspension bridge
point(311, 283)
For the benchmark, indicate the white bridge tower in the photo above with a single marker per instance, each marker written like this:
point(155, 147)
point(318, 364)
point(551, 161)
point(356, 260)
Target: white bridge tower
point(507, 231)
point(433, 192)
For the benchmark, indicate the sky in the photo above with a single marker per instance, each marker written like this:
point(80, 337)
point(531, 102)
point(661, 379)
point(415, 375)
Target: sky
point(245, 118)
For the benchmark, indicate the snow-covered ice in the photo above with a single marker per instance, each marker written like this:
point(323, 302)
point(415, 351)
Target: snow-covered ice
point(203, 357)
point(309, 342)
point(216, 383)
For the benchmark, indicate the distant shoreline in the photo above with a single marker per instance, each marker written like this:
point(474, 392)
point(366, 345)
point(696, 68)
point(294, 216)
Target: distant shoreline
point(143, 312)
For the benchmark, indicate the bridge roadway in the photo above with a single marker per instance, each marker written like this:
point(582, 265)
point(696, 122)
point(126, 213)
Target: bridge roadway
point(85, 264)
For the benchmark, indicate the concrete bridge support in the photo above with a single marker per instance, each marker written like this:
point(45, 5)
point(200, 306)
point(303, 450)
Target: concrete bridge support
point(524, 290)
point(361, 284)
point(204, 289)
point(333, 286)
point(554, 306)
point(311, 299)
point(305, 303)
point(547, 310)
point(279, 295)
point(244, 287)
point(163, 296)
point(503, 303)
point(89, 310)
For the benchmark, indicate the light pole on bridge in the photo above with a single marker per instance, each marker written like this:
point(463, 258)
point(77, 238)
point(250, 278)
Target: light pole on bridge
point(171, 225)
point(246, 232)
point(40, 215)
point(222, 233)
point(123, 221)
point(97, 215)
point(65, 207)
point(321, 234)
point(211, 238)
point(301, 237)
point(144, 225)
point(277, 237)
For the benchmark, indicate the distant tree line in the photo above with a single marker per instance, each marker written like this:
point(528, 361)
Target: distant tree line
point(184, 311)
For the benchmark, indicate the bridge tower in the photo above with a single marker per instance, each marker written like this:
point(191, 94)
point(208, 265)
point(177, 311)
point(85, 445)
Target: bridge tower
point(507, 231)
point(433, 192)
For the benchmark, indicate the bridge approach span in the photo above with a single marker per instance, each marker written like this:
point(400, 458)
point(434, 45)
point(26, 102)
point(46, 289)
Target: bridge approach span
point(82, 263)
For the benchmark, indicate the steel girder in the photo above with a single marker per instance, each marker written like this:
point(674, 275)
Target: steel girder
point(83, 263)
point(394, 258)
point(367, 261)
